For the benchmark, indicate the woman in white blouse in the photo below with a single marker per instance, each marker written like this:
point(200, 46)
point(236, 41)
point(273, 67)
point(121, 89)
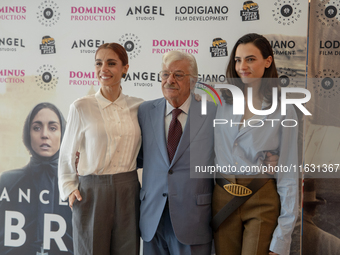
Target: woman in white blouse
point(103, 191)
point(264, 223)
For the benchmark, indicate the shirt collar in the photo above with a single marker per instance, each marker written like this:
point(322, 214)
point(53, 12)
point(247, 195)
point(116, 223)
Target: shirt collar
point(184, 107)
point(103, 102)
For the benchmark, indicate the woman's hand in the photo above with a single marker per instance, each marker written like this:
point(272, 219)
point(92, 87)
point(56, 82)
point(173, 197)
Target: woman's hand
point(198, 97)
point(72, 197)
point(272, 253)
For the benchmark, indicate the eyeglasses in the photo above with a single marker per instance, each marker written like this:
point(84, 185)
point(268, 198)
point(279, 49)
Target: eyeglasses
point(179, 75)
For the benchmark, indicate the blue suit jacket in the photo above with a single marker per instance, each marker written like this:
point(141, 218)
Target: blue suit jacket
point(189, 198)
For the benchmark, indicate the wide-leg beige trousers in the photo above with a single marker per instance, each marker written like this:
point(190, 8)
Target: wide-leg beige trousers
point(249, 229)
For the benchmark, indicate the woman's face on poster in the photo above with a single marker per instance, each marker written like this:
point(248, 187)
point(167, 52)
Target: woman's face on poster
point(45, 132)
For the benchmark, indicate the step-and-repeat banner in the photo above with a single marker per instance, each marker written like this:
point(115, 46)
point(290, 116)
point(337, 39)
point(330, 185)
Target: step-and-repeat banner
point(47, 52)
point(321, 228)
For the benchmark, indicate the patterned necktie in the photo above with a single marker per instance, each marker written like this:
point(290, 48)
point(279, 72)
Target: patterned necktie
point(174, 135)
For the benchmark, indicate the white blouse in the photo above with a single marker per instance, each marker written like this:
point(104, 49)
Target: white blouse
point(106, 134)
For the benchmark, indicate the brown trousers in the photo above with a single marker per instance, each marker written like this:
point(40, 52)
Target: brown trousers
point(106, 221)
point(249, 229)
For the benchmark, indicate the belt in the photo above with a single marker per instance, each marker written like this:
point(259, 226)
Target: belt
point(233, 188)
point(243, 193)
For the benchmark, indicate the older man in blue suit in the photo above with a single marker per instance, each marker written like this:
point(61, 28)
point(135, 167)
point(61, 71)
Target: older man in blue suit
point(175, 207)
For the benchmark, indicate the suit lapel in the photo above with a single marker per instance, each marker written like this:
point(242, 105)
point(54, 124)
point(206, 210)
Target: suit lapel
point(194, 123)
point(157, 120)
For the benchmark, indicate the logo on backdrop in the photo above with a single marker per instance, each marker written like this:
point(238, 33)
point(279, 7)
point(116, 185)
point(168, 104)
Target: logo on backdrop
point(219, 48)
point(291, 77)
point(13, 13)
point(131, 43)
point(163, 46)
point(11, 44)
point(327, 83)
point(47, 45)
point(86, 45)
point(250, 11)
point(48, 13)
point(211, 78)
point(143, 79)
point(283, 47)
point(328, 12)
point(83, 78)
point(47, 77)
point(286, 12)
point(15, 76)
point(94, 13)
point(329, 48)
point(201, 13)
point(146, 12)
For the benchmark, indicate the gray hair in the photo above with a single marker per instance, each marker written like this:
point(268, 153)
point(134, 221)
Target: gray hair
point(175, 55)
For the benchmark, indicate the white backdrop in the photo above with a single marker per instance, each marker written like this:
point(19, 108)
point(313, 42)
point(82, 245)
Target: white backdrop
point(47, 49)
point(150, 33)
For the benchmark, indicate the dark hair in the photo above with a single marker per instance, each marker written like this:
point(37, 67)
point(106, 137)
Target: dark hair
point(27, 126)
point(266, 50)
point(118, 49)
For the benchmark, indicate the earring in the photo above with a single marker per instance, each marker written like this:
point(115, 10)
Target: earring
point(123, 75)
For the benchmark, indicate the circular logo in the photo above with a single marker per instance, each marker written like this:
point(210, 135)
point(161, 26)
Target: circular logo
point(46, 78)
point(291, 77)
point(48, 13)
point(131, 43)
point(284, 80)
point(129, 46)
point(328, 12)
point(286, 12)
point(326, 83)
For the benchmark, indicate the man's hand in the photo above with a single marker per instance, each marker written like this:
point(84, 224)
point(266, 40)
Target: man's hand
point(73, 196)
point(271, 160)
point(77, 160)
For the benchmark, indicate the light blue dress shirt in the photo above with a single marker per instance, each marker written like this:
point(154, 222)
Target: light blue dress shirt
point(243, 149)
